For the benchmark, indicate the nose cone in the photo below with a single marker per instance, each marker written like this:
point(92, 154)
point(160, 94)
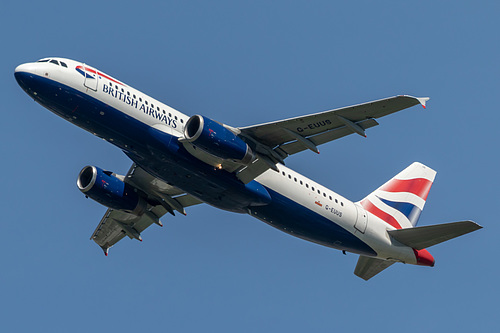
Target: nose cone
point(24, 74)
point(29, 68)
point(424, 258)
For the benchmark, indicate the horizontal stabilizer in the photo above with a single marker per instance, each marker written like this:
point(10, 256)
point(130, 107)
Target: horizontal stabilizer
point(369, 267)
point(423, 237)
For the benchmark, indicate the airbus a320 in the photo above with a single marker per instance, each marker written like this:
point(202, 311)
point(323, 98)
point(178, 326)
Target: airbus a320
point(180, 161)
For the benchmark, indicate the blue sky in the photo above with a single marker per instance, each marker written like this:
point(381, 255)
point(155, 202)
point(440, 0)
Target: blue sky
point(244, 63)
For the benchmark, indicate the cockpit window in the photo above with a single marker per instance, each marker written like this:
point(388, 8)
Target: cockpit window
point(54, 61)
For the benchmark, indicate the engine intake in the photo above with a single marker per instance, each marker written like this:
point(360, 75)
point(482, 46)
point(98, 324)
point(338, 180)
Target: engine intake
point(217, 140)
point(103, 187)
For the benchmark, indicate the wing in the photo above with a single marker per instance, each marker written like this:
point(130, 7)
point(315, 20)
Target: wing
point(277, 140)
point(161, 198)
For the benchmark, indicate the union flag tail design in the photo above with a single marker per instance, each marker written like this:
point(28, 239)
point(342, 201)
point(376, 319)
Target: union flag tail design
point(400, 201)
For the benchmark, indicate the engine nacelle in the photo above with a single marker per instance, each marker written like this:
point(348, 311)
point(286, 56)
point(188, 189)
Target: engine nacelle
point(217, 140)
point(103, 187)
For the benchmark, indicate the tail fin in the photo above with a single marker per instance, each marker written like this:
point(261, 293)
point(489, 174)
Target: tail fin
point(401, 200)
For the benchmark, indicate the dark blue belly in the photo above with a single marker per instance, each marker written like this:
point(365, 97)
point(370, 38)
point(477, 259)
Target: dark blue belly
point(299, 221)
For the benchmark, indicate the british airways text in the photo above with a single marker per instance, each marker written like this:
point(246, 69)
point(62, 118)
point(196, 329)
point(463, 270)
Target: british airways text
point(140, 106)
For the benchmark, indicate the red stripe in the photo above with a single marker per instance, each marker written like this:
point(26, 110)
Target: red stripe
point(368, 206)
point(88, 69)
point(417, 186)
point(109, 78)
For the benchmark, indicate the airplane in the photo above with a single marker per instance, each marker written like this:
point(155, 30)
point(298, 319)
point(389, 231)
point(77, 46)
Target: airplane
point(180, 161)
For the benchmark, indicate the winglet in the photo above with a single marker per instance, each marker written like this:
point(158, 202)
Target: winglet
point(422, 100)
point(105, 249)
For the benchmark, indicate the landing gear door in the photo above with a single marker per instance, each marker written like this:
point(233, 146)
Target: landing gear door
point(361, 219)
point(91, 77)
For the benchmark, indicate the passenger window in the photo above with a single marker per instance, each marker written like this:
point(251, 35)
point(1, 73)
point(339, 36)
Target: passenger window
point(295, 179)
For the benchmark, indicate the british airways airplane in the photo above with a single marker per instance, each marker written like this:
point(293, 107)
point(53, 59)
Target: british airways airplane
point(180, 161)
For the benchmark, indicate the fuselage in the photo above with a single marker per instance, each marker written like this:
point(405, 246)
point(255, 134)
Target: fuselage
point(148, 132)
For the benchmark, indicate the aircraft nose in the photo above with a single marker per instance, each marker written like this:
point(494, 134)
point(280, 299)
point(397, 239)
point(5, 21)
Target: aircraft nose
point(24, 75)
point(29, 68)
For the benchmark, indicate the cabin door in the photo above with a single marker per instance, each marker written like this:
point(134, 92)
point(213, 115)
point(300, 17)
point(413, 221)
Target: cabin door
point(361, 219)
point(91, 78)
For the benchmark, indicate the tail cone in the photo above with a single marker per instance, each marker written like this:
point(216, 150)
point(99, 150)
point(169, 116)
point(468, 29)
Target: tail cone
point(424, 258)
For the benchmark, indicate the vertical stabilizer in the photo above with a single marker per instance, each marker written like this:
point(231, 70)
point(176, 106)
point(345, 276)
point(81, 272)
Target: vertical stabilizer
point(400, 201)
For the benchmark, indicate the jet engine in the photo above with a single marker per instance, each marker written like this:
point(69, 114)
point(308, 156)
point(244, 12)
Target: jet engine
point(110, 191)
point(217, 139)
